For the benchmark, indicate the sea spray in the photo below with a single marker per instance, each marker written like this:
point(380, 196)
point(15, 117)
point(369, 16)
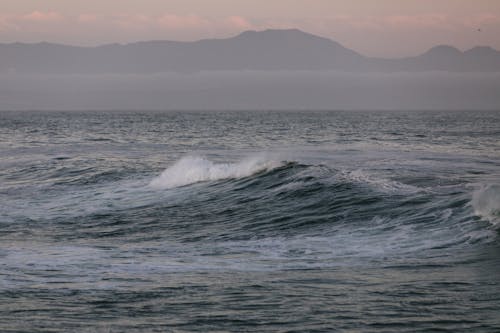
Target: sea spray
point(194, 169)
point(486, 203)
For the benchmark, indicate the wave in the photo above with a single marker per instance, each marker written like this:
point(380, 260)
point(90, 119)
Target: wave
point(266, 198)
point(336, 207)
point(193, 169)
point(486, 203)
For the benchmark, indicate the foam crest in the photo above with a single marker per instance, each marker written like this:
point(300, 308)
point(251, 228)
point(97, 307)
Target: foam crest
point(381, 184)
point(194, 169)
point(486, 203)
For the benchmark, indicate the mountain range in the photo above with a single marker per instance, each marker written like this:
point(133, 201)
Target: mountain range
point(268, 50)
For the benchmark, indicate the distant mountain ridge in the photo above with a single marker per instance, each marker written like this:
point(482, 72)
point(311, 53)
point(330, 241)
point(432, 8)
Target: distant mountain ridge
point(290, 49)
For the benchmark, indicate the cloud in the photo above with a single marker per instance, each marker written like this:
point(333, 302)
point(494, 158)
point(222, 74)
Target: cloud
point(130, 21)
point(6, 24)
point(429, 21)
point(191, 23)
point(173, 22)
point(236, 23)
point(38, 16)
point(239, 22)
point(178, 22)
point(482, 20)
point(415, 22)
point(87, 18)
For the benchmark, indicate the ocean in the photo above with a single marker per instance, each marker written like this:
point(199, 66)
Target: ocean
point(250, 221)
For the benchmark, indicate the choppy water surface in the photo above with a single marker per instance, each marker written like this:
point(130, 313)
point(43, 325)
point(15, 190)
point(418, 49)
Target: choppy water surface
point(249, 221)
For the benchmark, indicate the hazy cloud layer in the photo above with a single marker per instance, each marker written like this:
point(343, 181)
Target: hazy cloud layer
point(252, 90)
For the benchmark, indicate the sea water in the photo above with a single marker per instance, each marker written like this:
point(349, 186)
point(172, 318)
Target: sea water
point(250, 221)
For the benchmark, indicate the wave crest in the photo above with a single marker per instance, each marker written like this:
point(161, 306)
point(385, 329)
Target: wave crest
point(486, 203)
point(194, 169)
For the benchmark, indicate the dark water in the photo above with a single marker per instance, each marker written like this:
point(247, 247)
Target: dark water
point(250, 222)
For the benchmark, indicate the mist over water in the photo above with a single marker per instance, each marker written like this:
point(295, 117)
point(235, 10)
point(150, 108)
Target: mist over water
point(252, 90)
point(236, 221)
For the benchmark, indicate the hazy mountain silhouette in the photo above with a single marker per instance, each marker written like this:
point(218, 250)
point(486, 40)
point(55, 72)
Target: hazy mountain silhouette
point(251, 50)
point(445, 58)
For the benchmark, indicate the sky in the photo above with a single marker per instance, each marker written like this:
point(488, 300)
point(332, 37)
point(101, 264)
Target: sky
point(385, 28)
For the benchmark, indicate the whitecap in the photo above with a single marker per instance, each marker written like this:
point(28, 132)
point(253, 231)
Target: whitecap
point(486, 203)
point(193, 169)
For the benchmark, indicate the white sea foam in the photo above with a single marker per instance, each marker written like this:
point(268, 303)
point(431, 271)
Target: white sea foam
point(193, 169)
point(380, 183)
point(486, 203)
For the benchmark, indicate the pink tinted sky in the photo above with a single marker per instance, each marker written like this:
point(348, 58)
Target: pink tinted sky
point(373, 27)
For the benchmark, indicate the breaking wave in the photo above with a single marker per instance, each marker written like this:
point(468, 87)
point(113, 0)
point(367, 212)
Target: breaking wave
point(486, 203)
point(194, 169)
point(267, 199)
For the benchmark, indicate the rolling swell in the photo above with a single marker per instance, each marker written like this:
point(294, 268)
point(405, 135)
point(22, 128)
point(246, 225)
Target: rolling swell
point(261, 205)
point(296, 205)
